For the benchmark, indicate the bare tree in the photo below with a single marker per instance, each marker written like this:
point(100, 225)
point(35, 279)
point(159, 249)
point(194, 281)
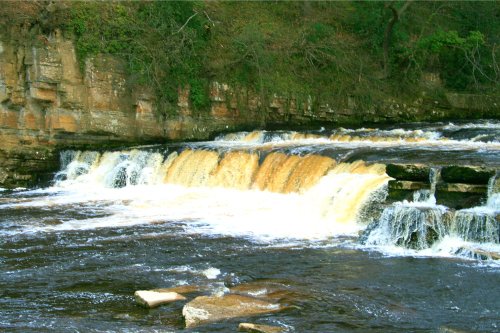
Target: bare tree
point(396, 15)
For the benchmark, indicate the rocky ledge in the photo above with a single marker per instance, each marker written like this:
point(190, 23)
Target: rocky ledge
point(453, 186)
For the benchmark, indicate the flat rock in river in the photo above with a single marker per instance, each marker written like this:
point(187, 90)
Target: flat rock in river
point(205, 309)
point(151, 299)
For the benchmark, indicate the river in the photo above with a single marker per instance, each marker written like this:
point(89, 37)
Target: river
point(282, 207)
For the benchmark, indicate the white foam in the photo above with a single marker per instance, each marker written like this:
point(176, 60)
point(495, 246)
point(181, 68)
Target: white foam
point(211, 273)
point(258, 215)
point(485, 125)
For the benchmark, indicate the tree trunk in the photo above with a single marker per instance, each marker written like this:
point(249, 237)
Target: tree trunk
point(396, 14)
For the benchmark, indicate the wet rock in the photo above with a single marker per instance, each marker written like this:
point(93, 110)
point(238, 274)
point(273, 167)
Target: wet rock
point(466, 174)
point(180, 289)
point(415, 172)
point(460, 196)
point(151, 299)
point(464, 188)
point(205, 309)
point(478, 253)
point(399, 190)
point(407, 185)
point(256, 328)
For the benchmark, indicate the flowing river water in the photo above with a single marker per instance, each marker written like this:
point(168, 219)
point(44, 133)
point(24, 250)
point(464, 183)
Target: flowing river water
point(293, 208)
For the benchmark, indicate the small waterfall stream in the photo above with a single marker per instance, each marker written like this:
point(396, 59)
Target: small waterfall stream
point(421, 223)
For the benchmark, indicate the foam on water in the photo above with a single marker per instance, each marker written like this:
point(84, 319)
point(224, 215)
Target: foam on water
point(260, 215)
point(482, 125)
point(431, 137)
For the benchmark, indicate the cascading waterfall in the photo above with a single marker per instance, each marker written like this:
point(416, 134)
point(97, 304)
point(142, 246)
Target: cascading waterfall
point(408, 226)
point(421, 224)
point(76, 163)
point(337, 192)
point(480, 224)
point(476, 226)
point(288, 177)
point(428, 196)
point(327, 190)
point(415, 225)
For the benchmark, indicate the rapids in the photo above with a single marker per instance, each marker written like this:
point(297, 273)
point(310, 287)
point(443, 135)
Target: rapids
point(304, 208)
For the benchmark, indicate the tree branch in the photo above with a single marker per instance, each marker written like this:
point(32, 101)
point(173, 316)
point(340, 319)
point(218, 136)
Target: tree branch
point(189, 19)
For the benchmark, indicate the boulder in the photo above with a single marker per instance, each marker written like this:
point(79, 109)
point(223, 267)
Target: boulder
point(151, 299)
point(466, 174)
point(256, 328)
point(205, 309)
point(415, 172)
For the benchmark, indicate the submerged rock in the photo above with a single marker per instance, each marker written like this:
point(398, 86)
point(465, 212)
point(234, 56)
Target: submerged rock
point(205, 309)
point(269, 290)
point(151, 299)
point(257, 328)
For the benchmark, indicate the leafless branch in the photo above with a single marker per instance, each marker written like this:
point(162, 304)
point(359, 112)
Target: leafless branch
point(187, 21)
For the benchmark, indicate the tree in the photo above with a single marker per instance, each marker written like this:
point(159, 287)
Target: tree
point(396, 15)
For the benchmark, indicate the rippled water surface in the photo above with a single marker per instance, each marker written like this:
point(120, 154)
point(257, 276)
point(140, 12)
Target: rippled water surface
point(83, 280)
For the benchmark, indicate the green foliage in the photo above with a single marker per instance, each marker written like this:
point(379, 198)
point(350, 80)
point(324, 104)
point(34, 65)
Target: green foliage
point(440, 40)
point(453, 56)
point(368, 20)
point(102, 29)
point(329, 50)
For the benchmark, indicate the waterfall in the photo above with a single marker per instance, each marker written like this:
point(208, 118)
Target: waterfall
point(310, 186)
point(428, 196)
point(334, 191)
point(408, 226)
point(480, 224)
point(420, 224)
point(476, 226)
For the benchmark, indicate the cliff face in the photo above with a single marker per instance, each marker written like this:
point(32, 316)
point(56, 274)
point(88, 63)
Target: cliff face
point(48, 102)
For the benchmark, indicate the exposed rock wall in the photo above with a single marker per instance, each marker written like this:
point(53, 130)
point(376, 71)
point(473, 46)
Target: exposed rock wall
point(48, 102)
point(453, 186)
